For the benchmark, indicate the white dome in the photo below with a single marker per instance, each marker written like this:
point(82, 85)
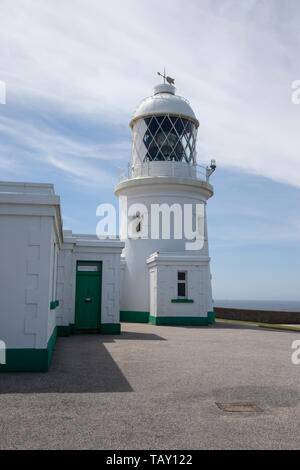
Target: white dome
point(164, 101)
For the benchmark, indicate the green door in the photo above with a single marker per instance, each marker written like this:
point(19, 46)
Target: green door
point(88, 295)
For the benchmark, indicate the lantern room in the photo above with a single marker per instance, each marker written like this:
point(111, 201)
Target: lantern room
point(164, 128)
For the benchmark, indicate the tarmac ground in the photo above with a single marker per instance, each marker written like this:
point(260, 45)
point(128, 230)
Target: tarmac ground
point(156, 387)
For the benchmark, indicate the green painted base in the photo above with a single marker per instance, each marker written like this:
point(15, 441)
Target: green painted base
point(64, 330)
point(30, 360)
point(54, 304)
point(211, 317)
point(134, 317)
point(110, 329)
point(179, 321)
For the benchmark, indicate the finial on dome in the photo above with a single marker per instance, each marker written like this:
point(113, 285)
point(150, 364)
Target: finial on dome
point(170, 80)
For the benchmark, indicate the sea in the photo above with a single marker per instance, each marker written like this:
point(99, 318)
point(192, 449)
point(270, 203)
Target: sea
point(276, 305)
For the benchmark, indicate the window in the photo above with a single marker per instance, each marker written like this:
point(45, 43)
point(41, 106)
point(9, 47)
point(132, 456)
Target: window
point(182, 284)
point(88, 266)
point(139, 225)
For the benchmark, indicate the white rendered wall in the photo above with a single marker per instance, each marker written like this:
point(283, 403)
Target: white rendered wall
point(89, 248)
point(135, 291)
point(25, 258)
point(30, 223)
point(65, 286)
point(163, 286)
point(53, 266)
point(36, 268)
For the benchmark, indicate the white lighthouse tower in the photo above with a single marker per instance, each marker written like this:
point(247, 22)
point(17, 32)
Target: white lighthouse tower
point(165, 266)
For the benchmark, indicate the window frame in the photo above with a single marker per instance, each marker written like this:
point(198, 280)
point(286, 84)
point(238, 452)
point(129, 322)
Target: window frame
point(184, 282)
point(90, 265)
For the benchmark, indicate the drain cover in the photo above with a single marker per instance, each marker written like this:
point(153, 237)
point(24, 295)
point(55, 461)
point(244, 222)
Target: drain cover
point(239, 407)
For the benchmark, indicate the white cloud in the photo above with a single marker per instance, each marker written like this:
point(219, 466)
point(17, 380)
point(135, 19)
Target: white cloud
point(234, 60)
point(38, 137)
point(37, 143)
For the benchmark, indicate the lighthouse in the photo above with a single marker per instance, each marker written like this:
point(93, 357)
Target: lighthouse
point(165, 265)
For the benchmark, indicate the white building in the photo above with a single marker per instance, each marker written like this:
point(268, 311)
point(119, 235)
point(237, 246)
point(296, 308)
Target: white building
point(54, 282)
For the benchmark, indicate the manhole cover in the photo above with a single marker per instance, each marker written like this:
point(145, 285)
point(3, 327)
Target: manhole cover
point(239, 407)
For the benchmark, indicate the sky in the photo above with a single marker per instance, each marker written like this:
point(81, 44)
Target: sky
point(76, 70)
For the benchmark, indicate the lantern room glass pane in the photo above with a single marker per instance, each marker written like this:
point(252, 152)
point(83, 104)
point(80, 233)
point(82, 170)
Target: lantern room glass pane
point(169, 138)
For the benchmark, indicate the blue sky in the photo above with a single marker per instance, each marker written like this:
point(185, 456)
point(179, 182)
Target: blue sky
point(76, 70)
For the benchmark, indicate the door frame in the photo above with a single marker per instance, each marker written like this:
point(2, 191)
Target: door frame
point(98, 274)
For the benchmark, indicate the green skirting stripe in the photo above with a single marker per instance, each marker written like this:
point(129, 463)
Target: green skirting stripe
point(50, 345)
point(134, 317)
point(54, 304)
point(110, 329)
point(211, 317)
point(64, 330)
point(25, 360)
point(179, 321)
point(29, 359)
